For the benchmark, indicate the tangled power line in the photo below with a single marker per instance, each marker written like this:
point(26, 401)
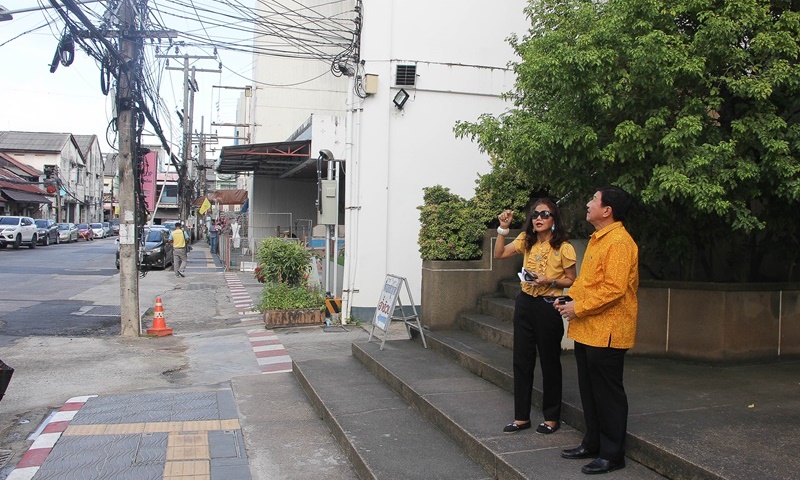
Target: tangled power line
point(327, 31)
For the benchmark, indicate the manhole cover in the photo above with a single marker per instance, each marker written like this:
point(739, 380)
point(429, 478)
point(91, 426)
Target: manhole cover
point(5, 456)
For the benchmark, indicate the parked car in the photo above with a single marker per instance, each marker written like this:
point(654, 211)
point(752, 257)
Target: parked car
point(97, 229)
point(114, 227)
point(170, 225)
point(15, 231)
point(67, 232)
point(85, 231)
point(156, 249)
point(106, 229)
point(46, 231)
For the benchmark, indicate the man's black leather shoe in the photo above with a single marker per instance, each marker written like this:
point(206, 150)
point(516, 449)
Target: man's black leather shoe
point(580, 452)
point(601, 465)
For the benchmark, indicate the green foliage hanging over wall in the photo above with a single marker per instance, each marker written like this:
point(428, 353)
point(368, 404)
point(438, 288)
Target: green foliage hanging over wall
point(452, 227)
point(693, 107)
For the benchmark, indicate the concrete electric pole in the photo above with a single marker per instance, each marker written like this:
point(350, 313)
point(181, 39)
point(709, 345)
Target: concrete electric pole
point(128, 273)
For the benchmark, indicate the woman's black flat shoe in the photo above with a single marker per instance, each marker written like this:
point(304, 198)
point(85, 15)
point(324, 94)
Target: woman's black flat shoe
point(546, 429)
point(514, 427)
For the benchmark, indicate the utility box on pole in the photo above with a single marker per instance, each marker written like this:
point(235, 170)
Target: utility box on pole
point(328, 205)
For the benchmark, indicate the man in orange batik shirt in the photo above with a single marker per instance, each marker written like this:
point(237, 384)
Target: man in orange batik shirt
point(602, 322)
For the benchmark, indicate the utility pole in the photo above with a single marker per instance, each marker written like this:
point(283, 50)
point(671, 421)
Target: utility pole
point(248, 93)
point(185, 191)
point(128, 274)
point(127, 57)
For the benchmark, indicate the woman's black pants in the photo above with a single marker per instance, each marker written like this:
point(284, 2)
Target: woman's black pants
point(537, 327)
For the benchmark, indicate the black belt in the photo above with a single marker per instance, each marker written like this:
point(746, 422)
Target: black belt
point(549, 298)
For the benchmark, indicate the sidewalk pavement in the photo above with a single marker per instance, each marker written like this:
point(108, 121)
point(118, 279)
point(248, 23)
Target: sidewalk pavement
point(235, 411)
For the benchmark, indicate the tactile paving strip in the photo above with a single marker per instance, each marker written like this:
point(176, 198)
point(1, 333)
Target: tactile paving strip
point(151, 436)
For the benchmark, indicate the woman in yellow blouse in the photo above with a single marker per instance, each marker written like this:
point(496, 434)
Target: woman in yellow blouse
point(550, 258)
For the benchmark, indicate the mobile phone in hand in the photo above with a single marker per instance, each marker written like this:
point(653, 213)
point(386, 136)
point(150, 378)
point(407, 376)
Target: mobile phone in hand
point(527, 276)
point(563, 300)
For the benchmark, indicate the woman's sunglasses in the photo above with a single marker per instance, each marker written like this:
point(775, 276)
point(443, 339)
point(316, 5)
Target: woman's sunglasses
point(545, 214)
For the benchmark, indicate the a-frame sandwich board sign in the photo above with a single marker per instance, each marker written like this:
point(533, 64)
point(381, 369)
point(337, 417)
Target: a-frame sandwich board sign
point(388, 305)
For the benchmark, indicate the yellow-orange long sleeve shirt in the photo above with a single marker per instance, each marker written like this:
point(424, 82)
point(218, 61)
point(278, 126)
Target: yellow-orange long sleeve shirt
point(605, 291)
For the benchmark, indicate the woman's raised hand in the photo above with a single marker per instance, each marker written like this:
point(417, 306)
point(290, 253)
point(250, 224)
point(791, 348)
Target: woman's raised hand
point(505, 218)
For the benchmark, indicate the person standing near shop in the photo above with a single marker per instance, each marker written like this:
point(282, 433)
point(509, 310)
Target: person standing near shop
point(602, 322)
point(549, 260)
point(179, 240)
point(213, 235)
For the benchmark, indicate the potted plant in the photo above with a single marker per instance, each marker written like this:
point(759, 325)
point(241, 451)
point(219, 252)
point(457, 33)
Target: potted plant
point(287, 298)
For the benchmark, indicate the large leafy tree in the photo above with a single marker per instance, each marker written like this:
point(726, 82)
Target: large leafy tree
point(691, 105)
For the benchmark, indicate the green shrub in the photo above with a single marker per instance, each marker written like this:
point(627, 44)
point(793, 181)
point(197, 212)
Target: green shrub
point(283, 261)
point(280, 296)
point(452, 228)
point(504, 188)
point(448, 230)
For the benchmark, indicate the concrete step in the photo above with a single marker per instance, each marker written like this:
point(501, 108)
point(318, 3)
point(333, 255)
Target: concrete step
point(379, 433)
point(484, 359)
point(488, 328)
point(498, 307)
point(510, 288)
point(473, 412)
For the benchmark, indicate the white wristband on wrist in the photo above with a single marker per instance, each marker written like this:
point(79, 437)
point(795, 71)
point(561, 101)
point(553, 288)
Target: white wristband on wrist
point(502, 231)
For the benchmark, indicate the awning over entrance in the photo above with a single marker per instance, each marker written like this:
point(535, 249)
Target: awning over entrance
point(276, 159)
point(25, 197)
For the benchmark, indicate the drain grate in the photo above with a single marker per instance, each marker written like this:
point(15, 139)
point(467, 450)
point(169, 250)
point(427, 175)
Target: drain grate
point(5, 456)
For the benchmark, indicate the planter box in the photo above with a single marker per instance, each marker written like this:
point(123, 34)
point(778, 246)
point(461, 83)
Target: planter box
point(293, 318)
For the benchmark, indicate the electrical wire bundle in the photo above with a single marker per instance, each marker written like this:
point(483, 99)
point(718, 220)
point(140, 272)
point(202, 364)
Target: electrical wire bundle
point(321, 30)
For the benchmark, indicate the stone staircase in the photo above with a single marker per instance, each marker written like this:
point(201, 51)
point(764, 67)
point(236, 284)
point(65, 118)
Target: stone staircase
point(411, 412)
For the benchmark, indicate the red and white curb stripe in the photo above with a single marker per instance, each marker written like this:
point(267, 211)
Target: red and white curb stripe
point(270, 353)
point(35, 456)
point(241, 299)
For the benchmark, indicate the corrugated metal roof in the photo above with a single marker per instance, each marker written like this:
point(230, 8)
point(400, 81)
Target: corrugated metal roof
point(33, 141)
point(24, 168)
point(10, 180)
point(84, 143)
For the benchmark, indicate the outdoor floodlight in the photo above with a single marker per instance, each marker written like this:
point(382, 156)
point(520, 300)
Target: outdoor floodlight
point(400, 98)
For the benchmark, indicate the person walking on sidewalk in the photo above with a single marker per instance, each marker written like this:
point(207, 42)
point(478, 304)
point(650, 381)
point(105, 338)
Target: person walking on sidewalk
point(602, 322)
point(213, 235)
point(549, 260)
point(180, 241)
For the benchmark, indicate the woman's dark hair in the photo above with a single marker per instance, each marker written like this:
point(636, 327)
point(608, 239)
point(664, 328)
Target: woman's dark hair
point(559, 234)
point(618, 199)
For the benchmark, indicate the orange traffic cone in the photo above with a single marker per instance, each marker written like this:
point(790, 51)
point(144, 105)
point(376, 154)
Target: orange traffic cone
point(159, 324)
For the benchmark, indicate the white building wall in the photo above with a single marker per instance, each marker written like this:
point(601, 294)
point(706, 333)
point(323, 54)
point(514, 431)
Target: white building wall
point(289, 90)
point(461, 54)
point(461, 57)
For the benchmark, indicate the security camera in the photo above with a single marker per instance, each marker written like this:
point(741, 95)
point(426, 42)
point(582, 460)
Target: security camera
point(326, 155)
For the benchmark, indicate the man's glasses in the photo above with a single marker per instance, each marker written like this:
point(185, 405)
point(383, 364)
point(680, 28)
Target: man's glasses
point(545, 214)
